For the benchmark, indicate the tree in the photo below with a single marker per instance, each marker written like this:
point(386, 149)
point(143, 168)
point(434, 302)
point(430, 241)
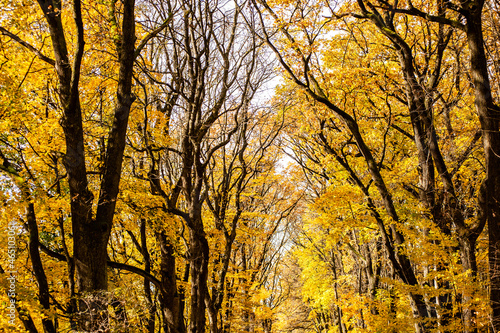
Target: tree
point(309, 83)
point(92, 220)
point(306, 63)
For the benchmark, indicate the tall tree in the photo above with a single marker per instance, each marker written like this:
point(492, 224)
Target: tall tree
point(300, 38)
point(92, 220)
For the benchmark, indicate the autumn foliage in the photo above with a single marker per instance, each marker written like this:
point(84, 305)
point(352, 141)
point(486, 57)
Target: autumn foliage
point(250, 166)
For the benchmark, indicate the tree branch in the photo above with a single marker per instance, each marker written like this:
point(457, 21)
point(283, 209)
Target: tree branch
point(112, 264)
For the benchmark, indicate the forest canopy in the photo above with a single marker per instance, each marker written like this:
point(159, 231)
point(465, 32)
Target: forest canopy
point(182, 166)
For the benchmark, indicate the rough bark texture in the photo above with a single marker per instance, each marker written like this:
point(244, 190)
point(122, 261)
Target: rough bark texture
point(91, 234)
point(489, 117)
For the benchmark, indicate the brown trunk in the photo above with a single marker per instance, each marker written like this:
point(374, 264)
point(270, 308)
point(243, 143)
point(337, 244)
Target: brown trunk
point(25, 317)
point(91, 235)
point(41, 278)
point(489, 116)
point(429, 155)
point(199, 256)
point(169, 298)
point(267, 325)
point(395, 238)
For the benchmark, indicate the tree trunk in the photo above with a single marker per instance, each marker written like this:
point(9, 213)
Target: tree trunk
point(151, 316)
point(170, 298)
point(489, 116)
